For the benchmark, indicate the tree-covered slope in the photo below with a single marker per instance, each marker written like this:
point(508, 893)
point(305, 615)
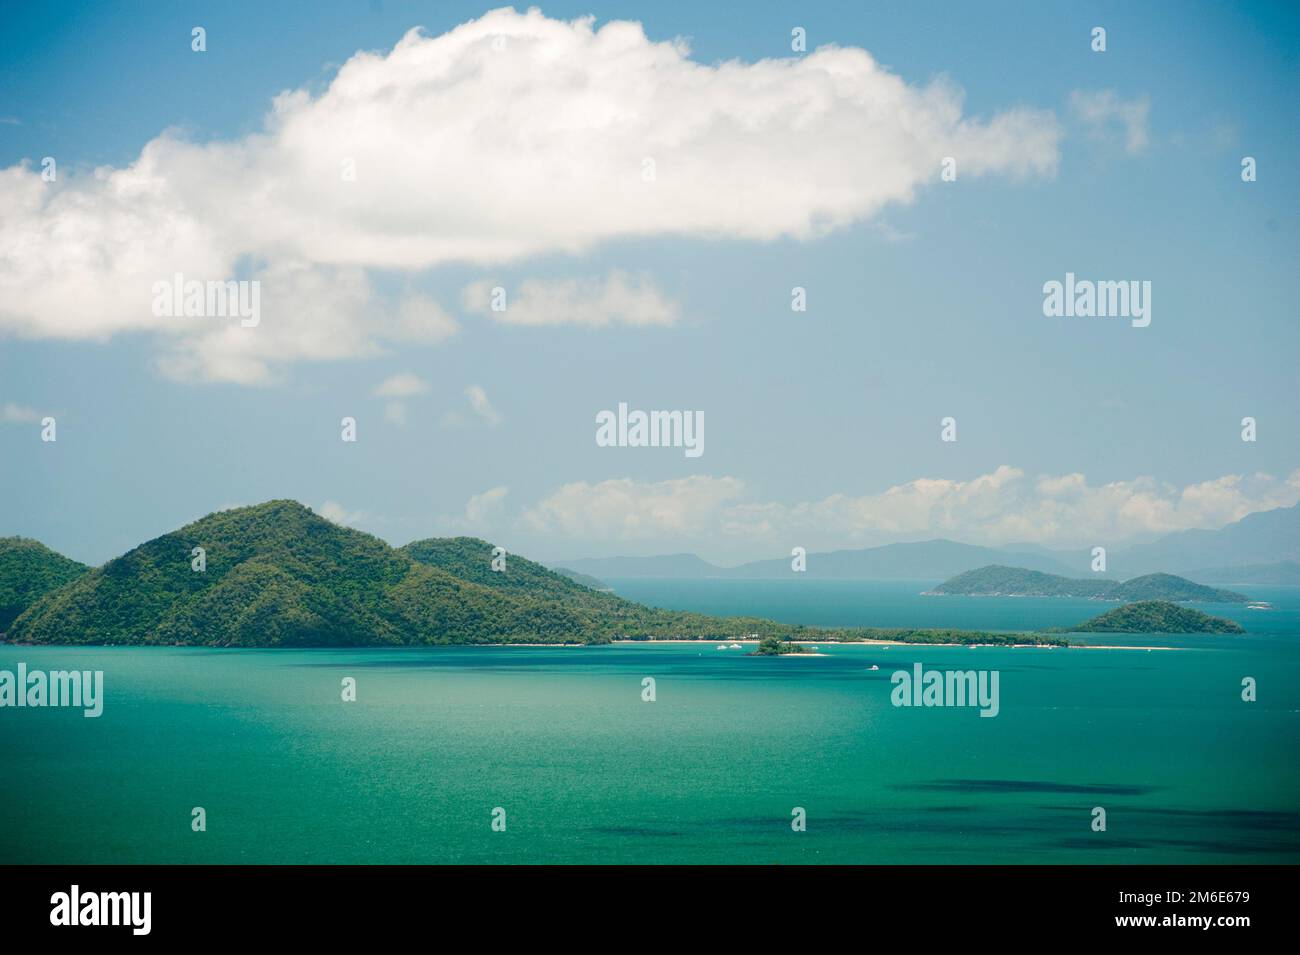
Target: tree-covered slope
point(585, 579)
point(1155, 616)
point(1171, 587)
point(278, 575)
point(997, 580)
point(28, 571)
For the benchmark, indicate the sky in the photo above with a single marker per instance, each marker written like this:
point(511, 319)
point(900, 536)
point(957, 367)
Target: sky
point(648, 184)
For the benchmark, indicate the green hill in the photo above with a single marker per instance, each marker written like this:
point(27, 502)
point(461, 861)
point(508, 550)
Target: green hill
point(1155, 616)
point(1000, 581)
point(278, 575)
point(28, 571)
point(997, 580)
point(1170, 587)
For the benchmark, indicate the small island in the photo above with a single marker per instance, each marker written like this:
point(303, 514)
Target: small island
point(1154, 616)
point(774, 646)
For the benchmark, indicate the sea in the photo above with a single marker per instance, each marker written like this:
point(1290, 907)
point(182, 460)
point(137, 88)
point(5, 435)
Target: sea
point(1145, 752)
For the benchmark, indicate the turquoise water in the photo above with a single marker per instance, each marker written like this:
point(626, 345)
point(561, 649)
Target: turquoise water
point(709, 772)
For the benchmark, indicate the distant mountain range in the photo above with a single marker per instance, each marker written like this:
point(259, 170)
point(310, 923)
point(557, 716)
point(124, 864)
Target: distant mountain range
point(999, 581)
point(1261, 549)
point(914, 561)
point(1283, 573)
point(1263, 538)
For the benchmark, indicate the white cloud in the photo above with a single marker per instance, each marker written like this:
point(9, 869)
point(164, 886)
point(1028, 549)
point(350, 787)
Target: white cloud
point(18, 414)
point(624, 509)
point(1104, 108)
point(1004, 506)
point(402, 385)
point(486, 508)
point(467, 149)
point(617, 299)
point(478, 400)
point(479, 405)
point(338, 514)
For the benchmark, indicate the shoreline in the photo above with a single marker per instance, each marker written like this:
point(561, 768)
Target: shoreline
point(612, 643)
point(908, 643)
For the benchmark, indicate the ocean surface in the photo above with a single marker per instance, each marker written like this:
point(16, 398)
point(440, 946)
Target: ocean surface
point(710, 772)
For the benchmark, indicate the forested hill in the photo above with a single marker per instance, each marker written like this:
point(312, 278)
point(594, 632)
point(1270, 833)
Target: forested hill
point(28, 571)
point(278, 575)
point(996, 580)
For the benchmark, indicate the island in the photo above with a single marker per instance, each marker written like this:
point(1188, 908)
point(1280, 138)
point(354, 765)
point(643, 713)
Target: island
point(772, 646)
point(996, 580)
point(1154, 616)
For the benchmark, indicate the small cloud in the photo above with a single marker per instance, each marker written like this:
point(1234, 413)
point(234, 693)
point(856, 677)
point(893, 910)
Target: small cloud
point(481, 406)
point(395, 411)
point(478, 400)
point(335, 512)
point(402, 385)
point(1103, 109)
point(618, 299)
point(18, 414)
point(486, 508)
point(10, 121)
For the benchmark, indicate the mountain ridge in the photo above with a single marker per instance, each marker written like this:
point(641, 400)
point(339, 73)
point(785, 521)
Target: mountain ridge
point(278, 575)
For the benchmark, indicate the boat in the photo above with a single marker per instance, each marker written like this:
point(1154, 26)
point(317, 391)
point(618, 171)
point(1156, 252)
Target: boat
point(722, 646)
point(873, 667)
point(736, 646)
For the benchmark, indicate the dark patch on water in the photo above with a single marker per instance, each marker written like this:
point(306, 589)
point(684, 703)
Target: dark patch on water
point(1023, 786)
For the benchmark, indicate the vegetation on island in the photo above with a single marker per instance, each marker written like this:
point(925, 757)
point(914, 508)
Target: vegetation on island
point(773, 646)
point(1154, 616)
point(279, 575)
point(28, 571)
point(996, 580)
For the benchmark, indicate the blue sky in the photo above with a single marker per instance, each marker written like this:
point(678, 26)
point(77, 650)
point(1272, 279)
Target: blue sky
point(822, 426)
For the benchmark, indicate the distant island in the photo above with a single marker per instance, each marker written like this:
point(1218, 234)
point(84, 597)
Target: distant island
point(1154, 616)
point(585, 579)
point(278, 575)
point(997, 580)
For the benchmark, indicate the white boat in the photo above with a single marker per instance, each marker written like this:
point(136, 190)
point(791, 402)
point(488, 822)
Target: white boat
point(736, 646)
point(873, 667)
point(722, 646)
